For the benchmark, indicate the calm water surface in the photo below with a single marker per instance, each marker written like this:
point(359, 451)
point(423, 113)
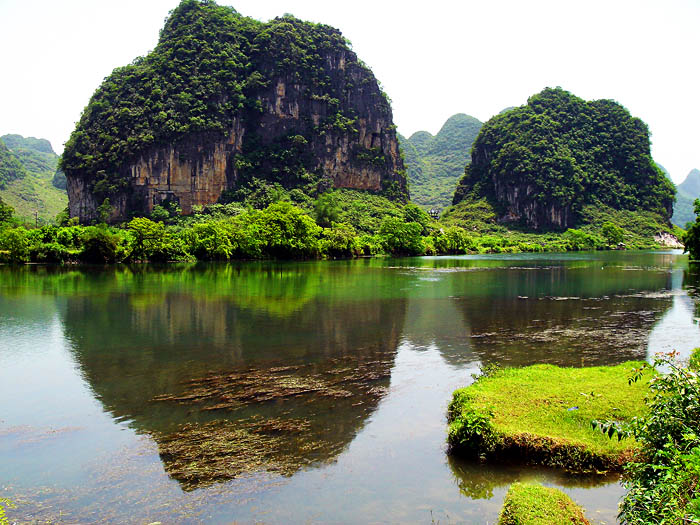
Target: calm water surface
point(300, 392)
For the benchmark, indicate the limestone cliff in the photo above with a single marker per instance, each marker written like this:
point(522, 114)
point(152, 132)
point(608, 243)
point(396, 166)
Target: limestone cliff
point(540, 164)
point(223, 102)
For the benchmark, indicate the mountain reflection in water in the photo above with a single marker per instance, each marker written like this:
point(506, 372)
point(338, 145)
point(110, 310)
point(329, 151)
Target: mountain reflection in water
point(266, 391)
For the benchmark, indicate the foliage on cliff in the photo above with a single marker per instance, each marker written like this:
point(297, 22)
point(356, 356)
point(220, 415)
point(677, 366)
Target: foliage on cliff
point(541, 163)
point(211, 67)
point(434, 164)
point(27, 167)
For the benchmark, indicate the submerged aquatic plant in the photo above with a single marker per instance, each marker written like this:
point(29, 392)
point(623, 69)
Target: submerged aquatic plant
point(198, 454)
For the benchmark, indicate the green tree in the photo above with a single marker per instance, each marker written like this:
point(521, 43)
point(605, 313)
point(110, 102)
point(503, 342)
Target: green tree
point(100, 246)
point(691, 239)
point(147, 238)
point(160, 214)
point(327, 209)
point(6, 211)
point(412, 213)
point(104, 210)
point(341, 241)
point(288, 232)
point(613, 234)
point(400, 237)
point(15, 245)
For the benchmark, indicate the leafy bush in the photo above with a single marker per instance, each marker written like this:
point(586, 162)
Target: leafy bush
point(100, 246)
point(340, 241)
point(662, 488)
point(401, 238)
point(14, 245)
point(662, 483)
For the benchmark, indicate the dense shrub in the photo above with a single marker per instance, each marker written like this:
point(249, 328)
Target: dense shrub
point(400, 237)
point(14, 245)
point(100, 246)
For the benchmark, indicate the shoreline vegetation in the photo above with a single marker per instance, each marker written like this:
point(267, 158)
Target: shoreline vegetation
point(636, 418)
point(542, 415)
point(340, 224)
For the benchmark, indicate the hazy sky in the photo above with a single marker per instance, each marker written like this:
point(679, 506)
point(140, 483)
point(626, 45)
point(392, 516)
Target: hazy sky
point(434, 59)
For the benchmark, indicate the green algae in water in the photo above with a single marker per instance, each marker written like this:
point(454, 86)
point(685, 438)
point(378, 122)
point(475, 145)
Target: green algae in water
point(199, 454)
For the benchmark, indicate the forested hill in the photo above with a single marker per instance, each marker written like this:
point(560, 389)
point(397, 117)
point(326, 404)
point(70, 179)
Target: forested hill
point(226, 105)
point(10, 166)
point(542, 163)
point(27, 170)
point(688, 191)
point(434, 164)
point(691, 184)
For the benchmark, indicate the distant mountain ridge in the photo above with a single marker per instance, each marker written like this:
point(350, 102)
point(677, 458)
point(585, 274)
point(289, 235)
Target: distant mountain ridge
point(687, 192)
point(28, 166)
point(691, 184)
point(10, 167)
point(435, 164)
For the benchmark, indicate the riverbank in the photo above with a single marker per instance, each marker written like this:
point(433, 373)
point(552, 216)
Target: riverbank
point(359, 227)
point(542, 415)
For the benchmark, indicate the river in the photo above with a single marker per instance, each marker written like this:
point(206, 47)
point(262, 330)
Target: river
point(300, 392)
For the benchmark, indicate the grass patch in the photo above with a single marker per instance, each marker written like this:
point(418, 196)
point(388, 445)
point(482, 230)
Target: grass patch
point(542, 414)
point(533, 504)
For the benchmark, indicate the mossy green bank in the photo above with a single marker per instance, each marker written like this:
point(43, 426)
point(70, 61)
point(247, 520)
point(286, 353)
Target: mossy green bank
point(542, 414)
point(533, 504)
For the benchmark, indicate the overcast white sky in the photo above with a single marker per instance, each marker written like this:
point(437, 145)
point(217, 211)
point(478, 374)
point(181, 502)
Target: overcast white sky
point(434, 59)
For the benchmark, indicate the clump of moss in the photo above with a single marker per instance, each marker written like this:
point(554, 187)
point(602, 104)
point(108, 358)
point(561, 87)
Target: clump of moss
point(533, 504)
point(542, 415)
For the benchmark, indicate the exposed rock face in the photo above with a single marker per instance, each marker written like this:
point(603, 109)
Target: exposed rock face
point(309, 116)
point(668, 240)
point(192, 172)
